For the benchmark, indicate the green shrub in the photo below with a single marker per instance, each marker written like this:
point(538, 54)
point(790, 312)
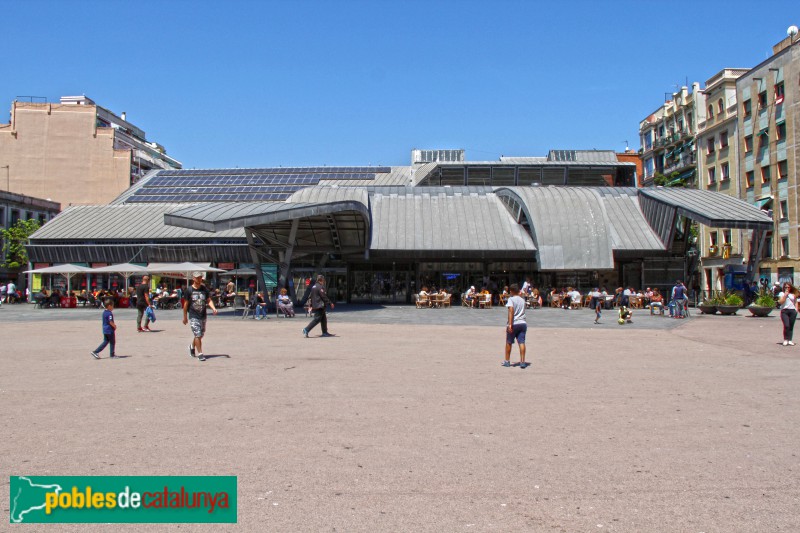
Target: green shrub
point(765, 299)
point(734, 299)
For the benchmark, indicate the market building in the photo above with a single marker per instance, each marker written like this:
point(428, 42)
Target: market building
point(380, 233)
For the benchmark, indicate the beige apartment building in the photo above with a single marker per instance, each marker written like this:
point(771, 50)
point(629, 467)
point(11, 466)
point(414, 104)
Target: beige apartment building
point(769, 132)
point(667, 138)
point(721, 250)
point(74, 152)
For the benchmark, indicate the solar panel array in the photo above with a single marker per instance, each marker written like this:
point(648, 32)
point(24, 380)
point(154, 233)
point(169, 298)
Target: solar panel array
point(242, 184)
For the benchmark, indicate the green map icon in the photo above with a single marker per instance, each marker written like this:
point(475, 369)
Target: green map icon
point(28, 498)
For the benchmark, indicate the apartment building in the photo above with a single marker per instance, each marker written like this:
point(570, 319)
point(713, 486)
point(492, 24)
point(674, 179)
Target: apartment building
point(717, 160)
point(667, 139)
point(769, 130)
point(75, 152)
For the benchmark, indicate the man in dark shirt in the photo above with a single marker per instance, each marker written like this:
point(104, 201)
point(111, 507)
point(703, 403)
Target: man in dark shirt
point(196, 299)
point(318, 301)
point(142, 303)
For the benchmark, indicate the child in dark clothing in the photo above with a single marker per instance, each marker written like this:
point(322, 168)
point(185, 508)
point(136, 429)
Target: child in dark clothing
point(109, 327)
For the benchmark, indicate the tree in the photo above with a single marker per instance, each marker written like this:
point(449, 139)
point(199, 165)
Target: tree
point(15, 238)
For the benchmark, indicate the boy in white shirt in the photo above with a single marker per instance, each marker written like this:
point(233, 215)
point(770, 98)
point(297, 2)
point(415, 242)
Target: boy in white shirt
point(516, 327)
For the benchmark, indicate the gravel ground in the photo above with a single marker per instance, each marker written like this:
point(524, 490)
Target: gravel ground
point(406, 422)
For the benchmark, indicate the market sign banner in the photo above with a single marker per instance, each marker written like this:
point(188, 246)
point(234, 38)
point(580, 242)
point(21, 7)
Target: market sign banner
point(123, 499)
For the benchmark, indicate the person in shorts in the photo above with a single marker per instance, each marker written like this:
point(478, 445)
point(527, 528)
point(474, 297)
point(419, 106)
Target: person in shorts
point(197, 299)
point(517, 326)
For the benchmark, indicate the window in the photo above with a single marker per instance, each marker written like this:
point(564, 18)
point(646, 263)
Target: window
point(747, 108)
point(748, 143)
point(784, 246)
point(710, 111)
point(783, 170)
point(713, 235)
point(750, 178)
point(726, 236)
point(712, 175)
point(765, 175)
point(28, 215)
point(14, 216)
point(42, 219)
point(680, 125)
point(762, 100)
point(723, 140)
point(720, 106)
point(784, 204)
point(781, 131)
point(778, 93)
point(710, 146)
point(723, 171)
point(762, 141)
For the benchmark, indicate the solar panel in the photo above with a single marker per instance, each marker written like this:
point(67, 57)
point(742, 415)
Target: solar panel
point(242, 184)
point(274, 170)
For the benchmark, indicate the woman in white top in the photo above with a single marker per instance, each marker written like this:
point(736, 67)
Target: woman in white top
point(788, 304)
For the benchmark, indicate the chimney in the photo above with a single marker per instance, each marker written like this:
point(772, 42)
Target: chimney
point(122, 115)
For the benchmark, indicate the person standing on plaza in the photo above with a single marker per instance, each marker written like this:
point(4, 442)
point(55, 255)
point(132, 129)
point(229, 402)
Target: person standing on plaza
point(516, 327)
point(109, 331)
point(787, 300)
point(142, 303)
point(319, 300)
point(197, 300)
point(11, 292)
point(679, 297)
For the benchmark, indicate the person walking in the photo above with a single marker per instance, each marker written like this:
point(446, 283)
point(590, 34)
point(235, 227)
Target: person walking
point(109, 331)
point(788, 304)
point(319, 300)
point(198, 299)
point(596, 303)
point(142, 303)
point(517, 326)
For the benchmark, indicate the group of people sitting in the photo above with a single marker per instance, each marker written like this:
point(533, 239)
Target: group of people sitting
point(476, 299)
point(432, 298)
point(259, 303)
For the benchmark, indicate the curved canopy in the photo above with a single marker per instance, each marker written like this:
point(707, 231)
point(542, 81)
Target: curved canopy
point(569, 226)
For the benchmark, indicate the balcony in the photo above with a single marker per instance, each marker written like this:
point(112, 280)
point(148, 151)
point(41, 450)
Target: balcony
point(682, 162)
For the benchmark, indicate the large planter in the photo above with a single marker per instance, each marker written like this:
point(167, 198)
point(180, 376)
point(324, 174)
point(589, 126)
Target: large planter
point(707, 309)
point(726, 309)
point(759, 310)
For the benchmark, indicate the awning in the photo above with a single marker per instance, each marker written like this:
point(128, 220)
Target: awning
point(681, 177)
point(764, 131)
point(780, 121)
point(762, 202)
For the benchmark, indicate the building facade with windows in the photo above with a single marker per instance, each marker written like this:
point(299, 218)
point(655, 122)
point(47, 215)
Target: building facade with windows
point(721, 250)
point(667, 138)
point(15, 207)
point(769, 131)
point(75, 151)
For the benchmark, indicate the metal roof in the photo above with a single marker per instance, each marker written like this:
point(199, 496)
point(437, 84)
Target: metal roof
point(711, 208)
point(425, 220)
point(120, 223)
point(627, 224)
point(313, 201)
point(569, 225)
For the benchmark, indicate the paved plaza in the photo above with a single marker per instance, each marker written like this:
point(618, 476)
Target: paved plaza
point(406, 421)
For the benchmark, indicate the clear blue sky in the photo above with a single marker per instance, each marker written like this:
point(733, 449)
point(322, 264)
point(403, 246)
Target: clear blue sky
point(227, 83)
